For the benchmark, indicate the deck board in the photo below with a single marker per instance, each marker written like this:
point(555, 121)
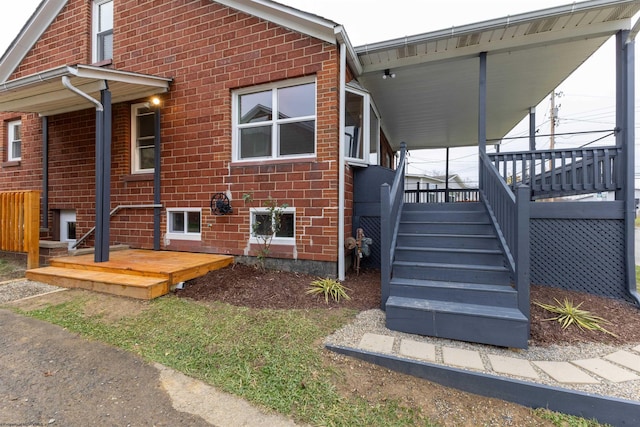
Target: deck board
point(135, 273)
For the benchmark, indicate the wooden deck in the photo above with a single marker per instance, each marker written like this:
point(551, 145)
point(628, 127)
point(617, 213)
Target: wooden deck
point(134, 273)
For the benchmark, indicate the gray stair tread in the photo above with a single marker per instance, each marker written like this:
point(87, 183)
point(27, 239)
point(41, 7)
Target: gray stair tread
point(451, 266)
point(453, 250)
point(456, 308)
point(462, 236)
point(420, 221)
point(401, 281)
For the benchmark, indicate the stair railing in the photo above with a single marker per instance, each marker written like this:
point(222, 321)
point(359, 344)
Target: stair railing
point(112, 213)
point(509, 213)
point(391, 202)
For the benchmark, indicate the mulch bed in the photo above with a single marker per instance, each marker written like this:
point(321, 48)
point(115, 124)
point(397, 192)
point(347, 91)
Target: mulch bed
point(248, 286)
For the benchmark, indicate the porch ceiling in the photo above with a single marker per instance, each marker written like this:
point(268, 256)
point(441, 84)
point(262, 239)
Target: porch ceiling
point(433, 100)
point(44, 94)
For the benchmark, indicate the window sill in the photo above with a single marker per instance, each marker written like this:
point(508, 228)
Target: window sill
point(185, 236)
point(273, 161)
point(103, 63)
point(357, 163)
point(134, 177)
point(11, 164)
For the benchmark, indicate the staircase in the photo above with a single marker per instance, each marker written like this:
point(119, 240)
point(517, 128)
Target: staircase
point(450, 278)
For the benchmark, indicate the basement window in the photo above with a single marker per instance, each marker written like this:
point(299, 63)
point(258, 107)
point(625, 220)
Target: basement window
point(184, 224)
point(263, 225)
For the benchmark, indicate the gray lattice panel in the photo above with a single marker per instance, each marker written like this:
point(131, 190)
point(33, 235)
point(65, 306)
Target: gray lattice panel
point(371, 227)
point(582, 255)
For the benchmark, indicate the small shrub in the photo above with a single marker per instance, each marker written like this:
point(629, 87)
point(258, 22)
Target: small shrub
point(329, 287)
point(570, 314)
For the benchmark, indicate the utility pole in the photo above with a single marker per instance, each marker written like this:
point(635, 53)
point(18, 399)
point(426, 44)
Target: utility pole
point(553, 113)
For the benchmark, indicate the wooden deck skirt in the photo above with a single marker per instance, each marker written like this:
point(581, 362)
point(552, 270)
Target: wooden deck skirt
point(134, 273)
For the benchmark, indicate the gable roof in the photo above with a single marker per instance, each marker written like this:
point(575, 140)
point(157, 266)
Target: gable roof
point(433, 101)
point(286, 16)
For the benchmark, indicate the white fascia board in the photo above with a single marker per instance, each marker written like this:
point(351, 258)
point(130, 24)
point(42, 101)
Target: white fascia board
point(37, 24)
point(98, 73)
point(289, 17)
point(352, 57)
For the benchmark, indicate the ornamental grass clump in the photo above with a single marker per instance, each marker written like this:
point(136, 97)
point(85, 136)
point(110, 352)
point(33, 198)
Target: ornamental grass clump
point(329, 287)
point(570, 314)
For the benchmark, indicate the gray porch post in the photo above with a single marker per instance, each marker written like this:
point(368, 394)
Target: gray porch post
point(625, 140)
point(45, 172)
point(532, 129)
point(156, 180)
point(482, 109)
point(103, 177)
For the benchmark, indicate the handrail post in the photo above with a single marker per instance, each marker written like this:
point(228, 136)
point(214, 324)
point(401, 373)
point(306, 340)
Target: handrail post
point(522, 248)
point(385, 242)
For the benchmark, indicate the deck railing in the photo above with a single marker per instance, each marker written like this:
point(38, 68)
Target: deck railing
point(509, 212)
point(391, 201)
point(20, 224)
point(553, 173)
point(440, 195)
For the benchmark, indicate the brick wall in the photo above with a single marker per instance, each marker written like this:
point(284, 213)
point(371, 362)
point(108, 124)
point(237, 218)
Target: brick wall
point(208, 50)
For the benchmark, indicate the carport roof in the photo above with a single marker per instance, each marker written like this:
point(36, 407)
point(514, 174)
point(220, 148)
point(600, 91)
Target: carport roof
point(433, 100)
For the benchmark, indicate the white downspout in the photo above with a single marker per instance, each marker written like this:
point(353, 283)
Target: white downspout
point(341, 163)
point(67, 83)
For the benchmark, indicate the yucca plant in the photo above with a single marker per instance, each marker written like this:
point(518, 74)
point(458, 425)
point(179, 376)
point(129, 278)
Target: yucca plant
point(570, 314)
point(329, 287)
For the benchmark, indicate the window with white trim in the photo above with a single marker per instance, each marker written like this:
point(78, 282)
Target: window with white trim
point(102, 39)
point(275, 121)
point(263, 224)
point(361, 128)
point(142, 138)
point(184, 224)
point(14, 140)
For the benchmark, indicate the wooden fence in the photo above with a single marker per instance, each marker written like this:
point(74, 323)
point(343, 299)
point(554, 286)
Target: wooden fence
point(20, 224)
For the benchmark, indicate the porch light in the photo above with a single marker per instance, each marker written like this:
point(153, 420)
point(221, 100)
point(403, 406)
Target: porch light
point(388, 74)
point(155, 101)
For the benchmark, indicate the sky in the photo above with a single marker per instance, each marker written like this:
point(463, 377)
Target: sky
point(583, 104)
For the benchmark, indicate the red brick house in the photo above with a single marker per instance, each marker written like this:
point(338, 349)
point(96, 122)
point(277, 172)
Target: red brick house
point(151, 120)
point(210, 65)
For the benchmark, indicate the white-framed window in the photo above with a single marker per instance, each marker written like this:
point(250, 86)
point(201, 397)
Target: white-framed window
point(362, 128)
point(275, 121)
point(263, 226)
point(102, 33)
point(142, 138)
point(14, 140)
point(184, 224)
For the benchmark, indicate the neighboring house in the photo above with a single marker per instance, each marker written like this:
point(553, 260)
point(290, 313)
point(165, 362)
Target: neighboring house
point(136, 117)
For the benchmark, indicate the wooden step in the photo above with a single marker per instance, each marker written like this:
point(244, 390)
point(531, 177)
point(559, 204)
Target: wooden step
point(129, 285)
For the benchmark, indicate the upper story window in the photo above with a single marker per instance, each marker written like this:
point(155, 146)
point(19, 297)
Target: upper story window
point(275, 121)
point(14, 140)
point(102, 30)
point(142, 138)
point(362, 128)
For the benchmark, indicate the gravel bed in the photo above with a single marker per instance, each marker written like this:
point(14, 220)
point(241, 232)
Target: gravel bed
point(373, 321)
point(13, 290)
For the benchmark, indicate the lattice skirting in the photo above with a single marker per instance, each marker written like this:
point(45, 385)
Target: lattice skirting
point(584, 255)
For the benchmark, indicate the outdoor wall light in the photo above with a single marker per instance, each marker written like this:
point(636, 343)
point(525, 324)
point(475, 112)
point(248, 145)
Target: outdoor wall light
point(388, 74)
point(155, 101)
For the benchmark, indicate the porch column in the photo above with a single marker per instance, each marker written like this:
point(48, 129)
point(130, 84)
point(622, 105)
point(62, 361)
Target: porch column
point(156, 180)
point(625, 140)
point(45, 172)
point(103, 177)
point(532, 129)
point(482, 110)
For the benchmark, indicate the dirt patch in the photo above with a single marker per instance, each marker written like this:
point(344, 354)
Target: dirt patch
point(244, 285)
point(109, 308)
